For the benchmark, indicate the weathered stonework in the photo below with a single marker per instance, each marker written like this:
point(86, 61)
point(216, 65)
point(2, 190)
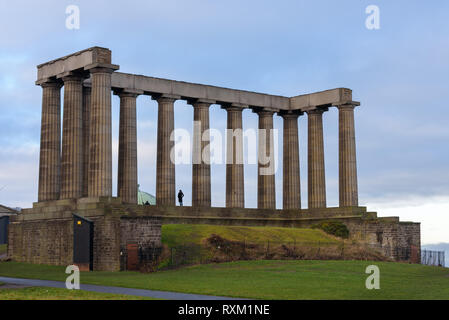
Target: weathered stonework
point(127, 149)
point(82, 175)
point(291, 174)
point(400, 241)
point(316, 171)
point(235, 187)
point(145, 232)
point(165, 168)
point(266, 185)
point(201, 185)
point(44, 234)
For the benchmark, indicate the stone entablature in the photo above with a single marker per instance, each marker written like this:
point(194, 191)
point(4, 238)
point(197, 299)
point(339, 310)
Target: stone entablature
point(97, 56)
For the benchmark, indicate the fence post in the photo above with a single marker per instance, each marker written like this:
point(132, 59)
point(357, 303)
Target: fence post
point(244, 247)
point(318, 252)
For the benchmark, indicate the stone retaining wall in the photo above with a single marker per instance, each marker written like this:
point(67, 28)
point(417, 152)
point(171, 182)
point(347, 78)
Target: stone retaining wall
point(44, 234)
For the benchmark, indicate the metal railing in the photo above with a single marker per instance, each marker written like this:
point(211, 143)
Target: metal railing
point(432, 258)
point(268, 250)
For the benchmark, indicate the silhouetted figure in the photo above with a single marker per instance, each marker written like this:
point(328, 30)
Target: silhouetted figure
point(147, 203)
point(180, 196)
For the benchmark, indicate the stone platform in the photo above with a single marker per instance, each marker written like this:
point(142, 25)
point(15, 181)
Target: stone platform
point(44, 233)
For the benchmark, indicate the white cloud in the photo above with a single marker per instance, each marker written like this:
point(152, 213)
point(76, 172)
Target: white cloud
point(432, 212)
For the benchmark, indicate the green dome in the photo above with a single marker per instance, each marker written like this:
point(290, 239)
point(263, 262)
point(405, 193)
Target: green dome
point(143, 197)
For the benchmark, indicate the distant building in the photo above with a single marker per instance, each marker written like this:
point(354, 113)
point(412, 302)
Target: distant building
point(143, 197)
point(7, 211)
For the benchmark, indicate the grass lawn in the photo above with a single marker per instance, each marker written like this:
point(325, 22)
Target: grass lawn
point(2, 248)
point(40, 293)
point(273, 279)
point(181, 234)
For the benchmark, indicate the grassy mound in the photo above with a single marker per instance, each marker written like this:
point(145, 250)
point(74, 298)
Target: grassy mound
point(181, 234)
point(201, 244)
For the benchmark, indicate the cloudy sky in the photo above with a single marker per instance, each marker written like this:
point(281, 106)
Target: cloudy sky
point(399, 73)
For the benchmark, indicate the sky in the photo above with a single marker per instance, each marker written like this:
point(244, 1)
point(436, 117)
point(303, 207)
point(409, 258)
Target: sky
point(399, 73)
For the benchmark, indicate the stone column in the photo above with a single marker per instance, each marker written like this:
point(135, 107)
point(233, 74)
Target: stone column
point(100, 148)
point(127, 149)
point(50, 147)
point(201, 188)
point(165, 168)
point(347, 156)
point(72, 139)
point(87, 91)
point(291, 172)
point(235, 197)
point(316, 175)
point(266, 190)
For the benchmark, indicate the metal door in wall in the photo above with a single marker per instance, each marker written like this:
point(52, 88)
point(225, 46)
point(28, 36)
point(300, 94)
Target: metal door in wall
point(132, 257)
point(83, 231)
point(4, 221)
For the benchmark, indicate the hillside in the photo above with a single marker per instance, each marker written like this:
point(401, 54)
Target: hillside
point(200, 244)
point(181, 234)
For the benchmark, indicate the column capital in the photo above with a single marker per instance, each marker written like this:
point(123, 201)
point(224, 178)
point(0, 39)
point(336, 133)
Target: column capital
point(263, 112)
point(101, 68)
point(72, 78)
point(318, 110)
point(290, 114)
point(134, 93)
point(50, 83)
point(348, 104)
point(167, 98)
point(233, 107)
point(200, 102)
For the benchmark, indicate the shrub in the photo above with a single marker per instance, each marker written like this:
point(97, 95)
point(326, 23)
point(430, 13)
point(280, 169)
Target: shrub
point(334, 228)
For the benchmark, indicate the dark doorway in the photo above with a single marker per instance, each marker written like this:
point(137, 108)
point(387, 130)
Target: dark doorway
point(83, 236)
point(4, 221)
point(133, 257)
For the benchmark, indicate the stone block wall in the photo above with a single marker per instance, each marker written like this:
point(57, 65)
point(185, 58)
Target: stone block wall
point(397, 240)
point(106, 244)
point(145, 232)
point(409, 242)
point(44, 235)
point(49, 242)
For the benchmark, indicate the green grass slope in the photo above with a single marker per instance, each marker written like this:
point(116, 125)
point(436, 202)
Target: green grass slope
point(41, 293)
point(287, 279)
point(3, 248)
point(181, 234)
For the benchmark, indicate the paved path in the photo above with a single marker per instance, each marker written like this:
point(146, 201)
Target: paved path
point(116, 290)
